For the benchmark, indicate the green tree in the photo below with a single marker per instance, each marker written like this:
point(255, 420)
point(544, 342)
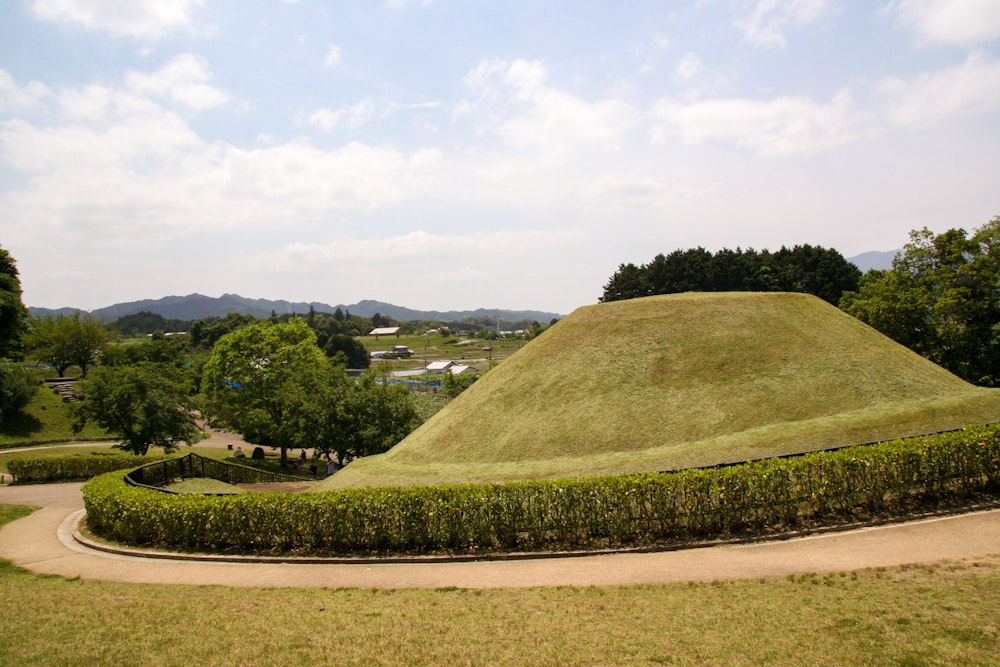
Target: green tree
point(810, 269)
point(941, 298)
point(64, 341)
point(144, 404)
point(13, 314)
point(347, 351)
point(375, 416)
point(49, 341)
point(260, 379)
point(17, 387)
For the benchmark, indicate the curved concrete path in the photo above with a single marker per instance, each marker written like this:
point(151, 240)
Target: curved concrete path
point(43, 543)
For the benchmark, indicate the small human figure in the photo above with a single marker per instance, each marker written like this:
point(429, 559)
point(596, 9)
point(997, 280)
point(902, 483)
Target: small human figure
point(331, 467)
point(239, 453)
point(312, 469)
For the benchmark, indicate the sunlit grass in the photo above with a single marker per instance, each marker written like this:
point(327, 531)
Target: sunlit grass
point(944, 615)
point(45, 418)
point(203, 485)
point(680, 381)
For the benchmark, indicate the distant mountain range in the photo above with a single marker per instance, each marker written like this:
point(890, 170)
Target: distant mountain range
point(874, 259)
point(199, 306)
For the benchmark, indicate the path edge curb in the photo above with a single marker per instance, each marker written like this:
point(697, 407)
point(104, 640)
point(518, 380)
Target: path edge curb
point(73, 534)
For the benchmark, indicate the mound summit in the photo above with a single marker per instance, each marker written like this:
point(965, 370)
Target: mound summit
point(677, 381)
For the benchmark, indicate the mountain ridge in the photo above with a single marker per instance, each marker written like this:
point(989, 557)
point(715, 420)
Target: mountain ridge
point(198, 306)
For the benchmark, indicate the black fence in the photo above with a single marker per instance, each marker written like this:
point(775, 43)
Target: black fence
point(158, 475)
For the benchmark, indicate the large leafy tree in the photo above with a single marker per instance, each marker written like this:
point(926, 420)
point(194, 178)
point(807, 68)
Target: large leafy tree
point(379, 415)
point(941, 298)
point(144, 404)
point(65, 341)
point(360, 417)
point(13, 314)
point(264, 380)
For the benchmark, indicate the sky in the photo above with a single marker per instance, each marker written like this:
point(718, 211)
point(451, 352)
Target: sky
point(446, 155)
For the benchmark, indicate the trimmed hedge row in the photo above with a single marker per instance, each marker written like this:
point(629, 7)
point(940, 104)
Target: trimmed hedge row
point(75, 467)
point(585, 513)
point(34, 443)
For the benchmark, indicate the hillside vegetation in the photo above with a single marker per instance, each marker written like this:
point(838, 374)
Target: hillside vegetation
point(676, 381)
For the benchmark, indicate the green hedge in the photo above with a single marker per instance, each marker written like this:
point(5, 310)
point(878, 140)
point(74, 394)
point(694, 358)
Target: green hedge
point(55, 441)
point(71, 468)
point(633, 510)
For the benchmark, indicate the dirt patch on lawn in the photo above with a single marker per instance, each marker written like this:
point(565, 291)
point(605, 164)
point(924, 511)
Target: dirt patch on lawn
point(284, 487)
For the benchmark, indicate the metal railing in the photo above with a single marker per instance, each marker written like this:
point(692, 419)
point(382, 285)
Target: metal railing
point(161, 473)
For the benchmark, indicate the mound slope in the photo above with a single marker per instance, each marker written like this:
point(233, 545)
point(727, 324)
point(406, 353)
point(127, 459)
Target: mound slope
point(677, 381)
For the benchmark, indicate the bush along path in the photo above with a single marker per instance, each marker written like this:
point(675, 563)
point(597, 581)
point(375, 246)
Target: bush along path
point(42, 543)
point(855, 484)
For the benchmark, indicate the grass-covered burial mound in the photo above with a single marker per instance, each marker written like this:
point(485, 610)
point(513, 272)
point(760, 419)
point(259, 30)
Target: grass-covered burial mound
point(678, 381)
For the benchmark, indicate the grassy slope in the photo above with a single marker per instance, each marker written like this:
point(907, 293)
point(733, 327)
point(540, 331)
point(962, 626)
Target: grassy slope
point(677, 381)
point(45, 418)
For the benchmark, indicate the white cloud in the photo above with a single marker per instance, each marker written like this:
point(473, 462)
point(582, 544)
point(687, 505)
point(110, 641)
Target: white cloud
point(89, 103)
point(18, 99)
point(352, 117)
point(416, 247)
point(184, 79)
point(134, 18)
point(515, 101)
point(770, 20)
point(688, 67)
point(641, 191)
point(402, 4)
point(112, 165)
point(332, 56)
point(951, 21)
point(970, 88)
point(782, 126)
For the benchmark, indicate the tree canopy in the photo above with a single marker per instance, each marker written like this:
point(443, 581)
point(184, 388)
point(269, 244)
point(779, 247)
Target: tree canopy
point(941, 298)
point(65, 341)
point(271, 383)
point(13, 314)
point(260, 381)
point(803, 268)
point(144, 404)
point(346, 351)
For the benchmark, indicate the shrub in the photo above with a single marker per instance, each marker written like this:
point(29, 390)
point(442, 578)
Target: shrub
point(72, 468)
point(585, 513)
point(17, 387)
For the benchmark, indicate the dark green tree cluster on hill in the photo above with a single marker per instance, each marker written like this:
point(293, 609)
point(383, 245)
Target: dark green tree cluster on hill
point(204, 333)
point(145, 323)
point(941, 298)
point(804, 268)
point(336, 332)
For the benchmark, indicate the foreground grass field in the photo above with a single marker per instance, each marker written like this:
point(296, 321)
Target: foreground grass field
point(679, 381)
point(943, 615)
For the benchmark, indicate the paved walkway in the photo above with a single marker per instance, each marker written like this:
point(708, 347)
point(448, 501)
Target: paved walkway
point(43, 543)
